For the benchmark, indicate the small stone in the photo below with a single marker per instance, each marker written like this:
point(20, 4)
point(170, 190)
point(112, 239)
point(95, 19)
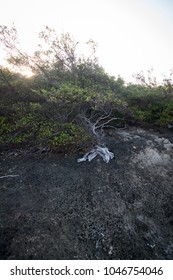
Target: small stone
point(110, 250)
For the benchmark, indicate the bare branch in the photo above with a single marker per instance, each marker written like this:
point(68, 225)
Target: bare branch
point(104, 124)
point(104, 116)
point(6, 176)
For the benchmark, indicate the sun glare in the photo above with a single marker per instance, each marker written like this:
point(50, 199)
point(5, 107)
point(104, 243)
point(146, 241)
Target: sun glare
point(131, 35)
point(27, 73)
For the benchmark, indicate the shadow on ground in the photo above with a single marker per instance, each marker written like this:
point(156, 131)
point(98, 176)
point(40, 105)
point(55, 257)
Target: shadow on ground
point(60, 209)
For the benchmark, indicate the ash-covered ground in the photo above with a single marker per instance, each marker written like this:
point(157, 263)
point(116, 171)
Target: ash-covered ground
point(57, 208)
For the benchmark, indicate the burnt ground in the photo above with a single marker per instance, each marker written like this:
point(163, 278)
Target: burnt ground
point(57, 208)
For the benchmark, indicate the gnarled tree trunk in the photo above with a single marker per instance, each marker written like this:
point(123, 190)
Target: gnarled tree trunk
point(96, 130)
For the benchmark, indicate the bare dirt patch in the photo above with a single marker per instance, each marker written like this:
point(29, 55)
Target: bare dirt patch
point(57, 208)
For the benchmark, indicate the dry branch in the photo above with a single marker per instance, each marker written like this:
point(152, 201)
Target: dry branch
point(6, 176)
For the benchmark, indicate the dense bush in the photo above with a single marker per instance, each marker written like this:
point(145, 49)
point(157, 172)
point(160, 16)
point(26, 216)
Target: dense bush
point(49, 116)
point(150, 105)
point(59, 104)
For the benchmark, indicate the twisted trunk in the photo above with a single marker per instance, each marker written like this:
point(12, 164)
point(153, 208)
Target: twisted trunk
point(96, 131)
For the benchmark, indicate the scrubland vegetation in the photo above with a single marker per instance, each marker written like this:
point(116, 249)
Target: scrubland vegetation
point(68, 93)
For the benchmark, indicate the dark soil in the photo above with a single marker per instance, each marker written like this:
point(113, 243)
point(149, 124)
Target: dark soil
point(60, 209)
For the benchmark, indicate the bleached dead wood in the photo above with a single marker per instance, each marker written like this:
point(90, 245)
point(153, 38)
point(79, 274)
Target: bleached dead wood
point(96, 129)
point(6, 176)
point(98, 150)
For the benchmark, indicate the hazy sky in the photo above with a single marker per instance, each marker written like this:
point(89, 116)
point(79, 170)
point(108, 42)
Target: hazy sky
point(132, 35)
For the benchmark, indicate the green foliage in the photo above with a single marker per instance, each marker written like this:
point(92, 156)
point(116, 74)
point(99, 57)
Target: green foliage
point(42, 117)
point(38, 115)
point(151, 105)
point(46, 108)
point(70, 135)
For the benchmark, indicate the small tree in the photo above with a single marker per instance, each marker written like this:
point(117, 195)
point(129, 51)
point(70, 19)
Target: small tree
point(76, 90)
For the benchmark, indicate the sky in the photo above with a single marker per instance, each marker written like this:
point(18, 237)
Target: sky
point(132, 35)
